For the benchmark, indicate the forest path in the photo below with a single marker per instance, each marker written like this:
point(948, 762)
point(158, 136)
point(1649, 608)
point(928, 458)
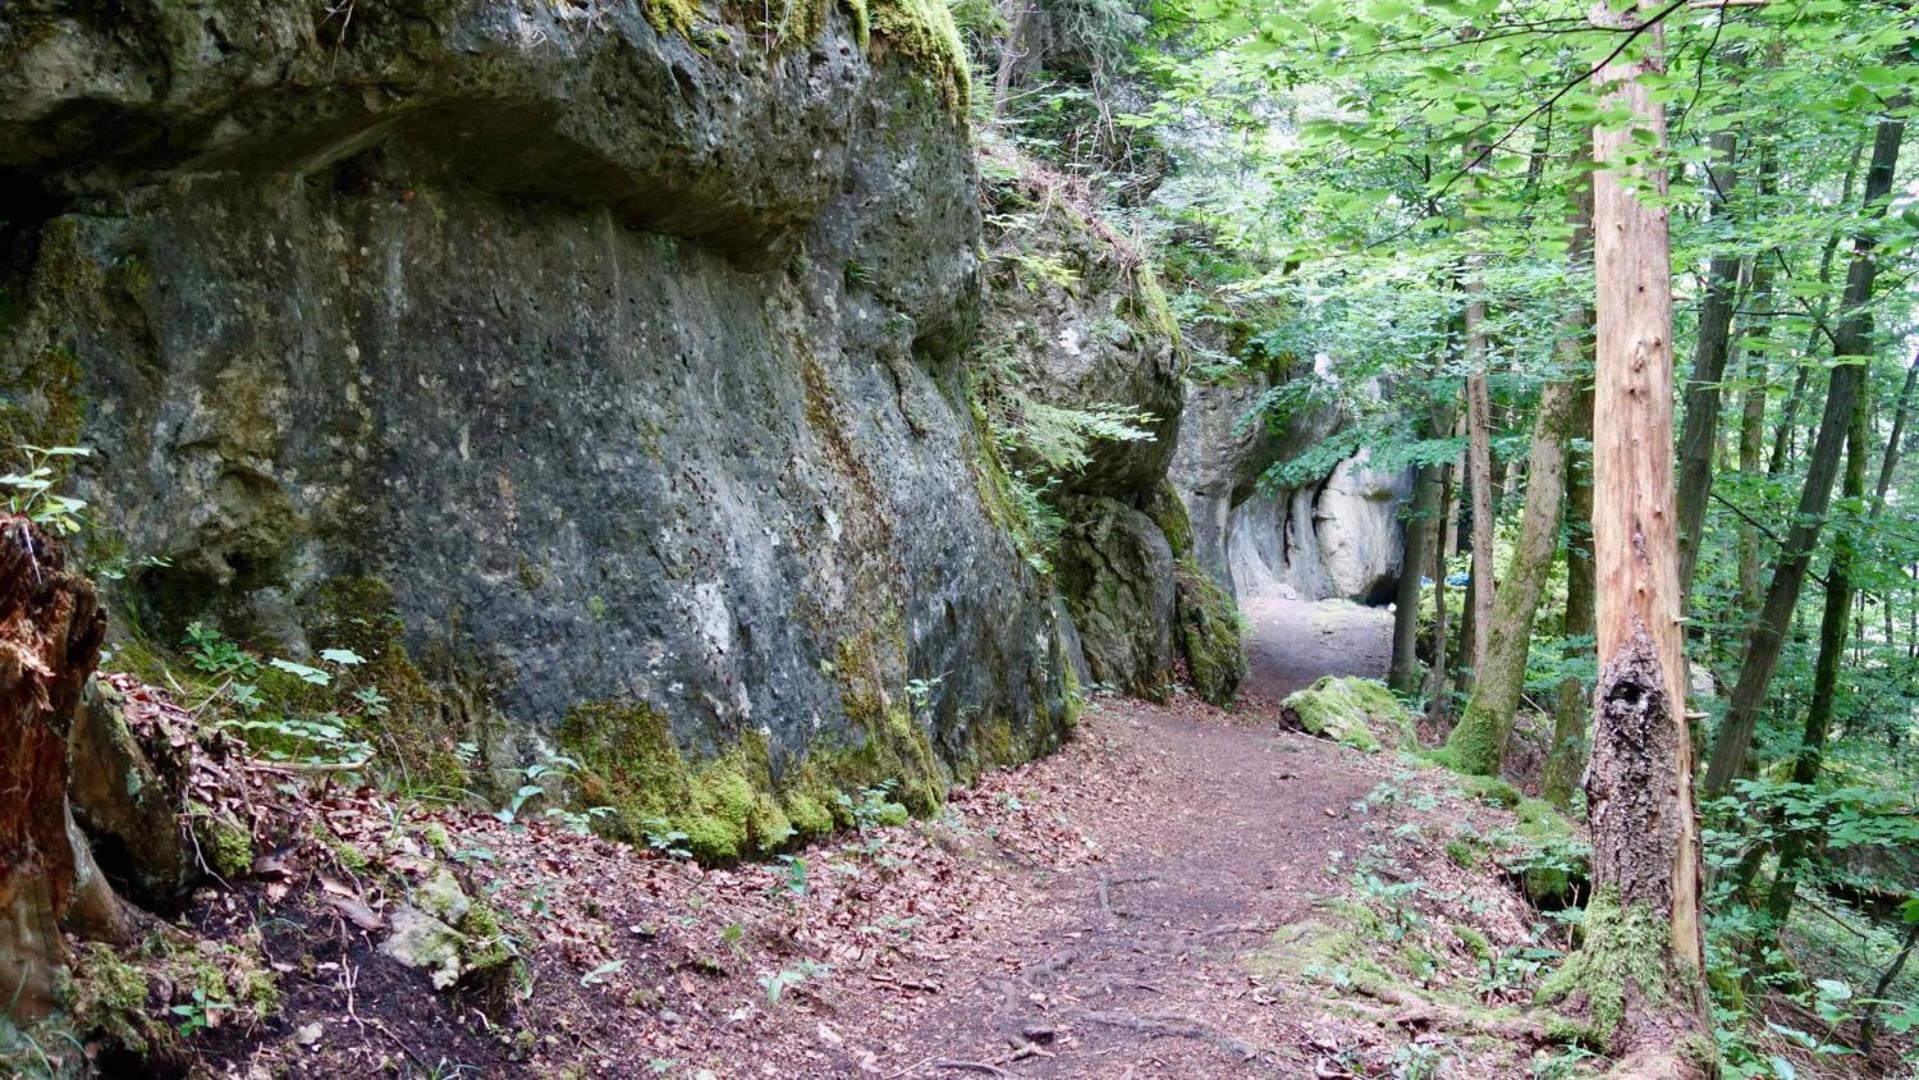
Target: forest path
point(1211, 836)
point(1101, 912)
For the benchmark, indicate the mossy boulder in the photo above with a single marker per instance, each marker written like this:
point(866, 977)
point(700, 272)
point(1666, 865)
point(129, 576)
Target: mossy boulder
point(1206, 626)
point(1360, 713)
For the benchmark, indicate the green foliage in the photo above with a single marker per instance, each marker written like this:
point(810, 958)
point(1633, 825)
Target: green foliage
point(31, 494)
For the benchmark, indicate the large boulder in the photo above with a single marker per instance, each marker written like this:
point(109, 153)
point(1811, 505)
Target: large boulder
point(575, 363)
point(1338, 537)
point(1076, 316)
point(1116, 571)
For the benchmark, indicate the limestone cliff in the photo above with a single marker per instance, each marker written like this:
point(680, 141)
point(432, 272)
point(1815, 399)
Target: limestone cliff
point(592, 367)
point(1340, 537)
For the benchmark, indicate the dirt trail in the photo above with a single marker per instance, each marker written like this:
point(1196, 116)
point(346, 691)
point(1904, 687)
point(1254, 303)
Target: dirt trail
point(1221, 837)
point(1094, 913)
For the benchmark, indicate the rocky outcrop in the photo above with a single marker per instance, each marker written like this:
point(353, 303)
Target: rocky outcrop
point(1077, 334)
point(592, 369)
point(1341, 537)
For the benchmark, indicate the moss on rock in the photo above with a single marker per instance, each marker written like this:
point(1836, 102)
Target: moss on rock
point(417, 731)
point(923, 31)
point(1361, 713)
point(1206, 628)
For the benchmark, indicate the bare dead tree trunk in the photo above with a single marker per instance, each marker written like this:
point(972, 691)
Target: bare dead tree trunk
point(1642, 930)
point(1478, 744)
point(51, 628)
point(1700, 431)
point(1734, 740)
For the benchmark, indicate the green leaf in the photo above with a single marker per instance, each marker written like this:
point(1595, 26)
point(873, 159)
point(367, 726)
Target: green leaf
point(302, 672)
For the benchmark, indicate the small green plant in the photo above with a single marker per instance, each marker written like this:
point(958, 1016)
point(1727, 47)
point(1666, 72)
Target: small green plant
point(30, 492)
point(212, 652)
point(792, 879)
point(780, 981)
point(920, 691)
point(875, 807)
point(664, 839)
point(199, 1014)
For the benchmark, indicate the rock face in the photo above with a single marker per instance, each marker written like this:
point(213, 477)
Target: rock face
point(1338, 538)
point(1075, 324)
point(556, 357)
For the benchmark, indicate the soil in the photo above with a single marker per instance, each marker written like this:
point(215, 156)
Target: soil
point(1123, 908)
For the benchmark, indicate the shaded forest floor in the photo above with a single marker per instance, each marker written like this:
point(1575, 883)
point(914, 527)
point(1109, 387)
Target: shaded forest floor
point(1181, 891)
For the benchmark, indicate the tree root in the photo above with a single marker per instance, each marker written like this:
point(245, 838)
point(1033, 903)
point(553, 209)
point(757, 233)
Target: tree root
point(1175, 1026)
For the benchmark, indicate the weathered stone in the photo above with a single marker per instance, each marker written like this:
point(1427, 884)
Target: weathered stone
point(1116, 572)
point(1361, 539)
point(1361, 713)
point(1079, 318)
point(424, 943)
point(129, 794)
point(617, 365)
point(1338, 538)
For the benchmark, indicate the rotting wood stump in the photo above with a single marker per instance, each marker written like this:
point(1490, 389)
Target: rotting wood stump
point(51, 628)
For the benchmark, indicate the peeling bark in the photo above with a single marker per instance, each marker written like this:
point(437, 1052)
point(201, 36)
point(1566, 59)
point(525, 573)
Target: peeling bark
point(51, 627)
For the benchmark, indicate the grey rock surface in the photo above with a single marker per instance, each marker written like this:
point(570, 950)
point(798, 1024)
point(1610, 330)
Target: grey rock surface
point(545, 333)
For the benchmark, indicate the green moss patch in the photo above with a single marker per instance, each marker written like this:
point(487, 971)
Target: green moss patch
point(1207, 632)
point(1360, 713)
point(923, 31)
point(418, 734)
point(1621, 961)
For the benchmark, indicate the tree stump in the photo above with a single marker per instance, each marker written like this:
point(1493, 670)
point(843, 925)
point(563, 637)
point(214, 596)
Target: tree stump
point(51, 628)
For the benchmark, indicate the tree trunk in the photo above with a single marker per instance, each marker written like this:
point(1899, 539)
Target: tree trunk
point(1566, 760)
point(50, 632)
point(1013, 49)
point(1403, 675)
point(1890, 461)
point(1638, 969)
point(1852, 340)
point(1752, 431)
point(1825, 678)
point(1782, 438)
point(1436, 707)
point(1479, 476)
point(1478, 744)
point(1700, 432)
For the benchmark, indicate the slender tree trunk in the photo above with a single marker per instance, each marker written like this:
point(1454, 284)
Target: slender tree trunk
point(1566, 760)
point(1478, 744)
point(1479, 475)
point(1825, 678)
point(1789, 416)
point(1782, 596)
point(1890, 461)
point(50, 633)
point(1642, 928)
point(1403, 675)
point(1752, 432)
point(1700, 431)
point(1436, 707)
point(1013, 49)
